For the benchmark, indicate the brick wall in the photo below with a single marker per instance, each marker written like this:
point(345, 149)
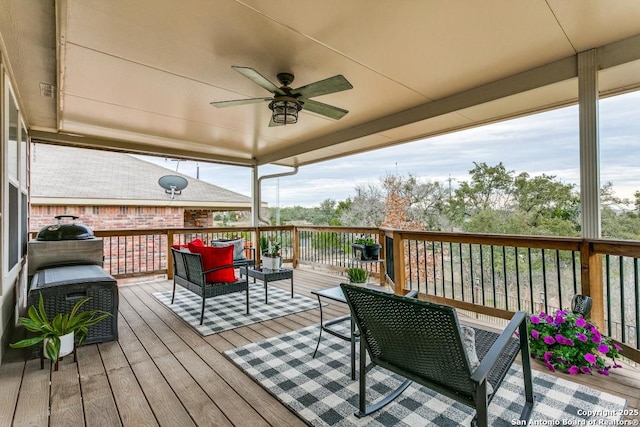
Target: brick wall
point(110, 217)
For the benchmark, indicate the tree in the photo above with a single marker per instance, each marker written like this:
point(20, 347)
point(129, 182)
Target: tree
point(498, 201)
point(366, 209)
point(491, 187)
point(326, 214)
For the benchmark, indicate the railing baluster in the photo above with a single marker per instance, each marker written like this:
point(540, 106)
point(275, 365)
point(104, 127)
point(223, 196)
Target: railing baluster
point(636, 273)
point(558, 275)
point(504, 277)
point(544, 281)
point(622, 299)
point(530, 278)
point(517, 266)
point(608, 285)
point(472, 282)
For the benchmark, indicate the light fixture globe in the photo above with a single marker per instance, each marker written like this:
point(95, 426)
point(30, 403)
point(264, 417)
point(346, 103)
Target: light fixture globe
point(285, 110)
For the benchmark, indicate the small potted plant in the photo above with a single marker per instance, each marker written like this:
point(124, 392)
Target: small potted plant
point(270, 250)
point(58, 334)
point(365, 248)
point(357, 275)
point(567, 342)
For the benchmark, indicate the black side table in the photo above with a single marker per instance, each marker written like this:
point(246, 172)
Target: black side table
point(335, 294)
point(267, 275)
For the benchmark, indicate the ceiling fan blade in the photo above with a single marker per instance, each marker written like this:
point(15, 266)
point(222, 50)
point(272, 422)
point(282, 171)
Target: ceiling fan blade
point(258, 79)
point(324, 109)
point(332, 84)
point(233, 103)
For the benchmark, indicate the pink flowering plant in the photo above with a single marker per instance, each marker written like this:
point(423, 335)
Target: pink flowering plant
point(565, 341)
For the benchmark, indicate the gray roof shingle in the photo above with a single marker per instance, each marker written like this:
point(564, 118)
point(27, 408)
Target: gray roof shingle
point(75, 173)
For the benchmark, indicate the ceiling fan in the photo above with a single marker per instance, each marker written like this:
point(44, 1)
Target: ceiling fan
point(287, 102)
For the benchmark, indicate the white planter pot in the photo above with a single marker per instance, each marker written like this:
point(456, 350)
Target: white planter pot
point(271, 263)
point(66, 345)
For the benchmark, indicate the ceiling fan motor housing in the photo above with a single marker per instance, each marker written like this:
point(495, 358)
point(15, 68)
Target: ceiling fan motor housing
point(285, 78)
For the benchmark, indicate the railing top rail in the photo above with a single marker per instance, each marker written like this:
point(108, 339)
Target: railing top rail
point(536, 242)
point(374, 230)
point(626, 248)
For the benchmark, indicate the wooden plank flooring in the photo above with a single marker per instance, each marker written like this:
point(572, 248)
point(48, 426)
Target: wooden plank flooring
point(162, 373)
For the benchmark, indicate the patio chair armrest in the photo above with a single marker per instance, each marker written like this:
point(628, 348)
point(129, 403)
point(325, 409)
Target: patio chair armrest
point(412, 294)
point(518, 322)
point(221, 267)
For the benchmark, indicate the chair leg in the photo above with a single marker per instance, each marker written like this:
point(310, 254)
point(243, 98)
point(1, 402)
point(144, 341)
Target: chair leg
point(482, 401)
point(173, 295)
point(363, 409)
point(202, 313)
point(527, 376)
point(247, 294)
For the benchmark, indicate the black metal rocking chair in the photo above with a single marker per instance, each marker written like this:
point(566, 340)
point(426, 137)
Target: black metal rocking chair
point(422, 342)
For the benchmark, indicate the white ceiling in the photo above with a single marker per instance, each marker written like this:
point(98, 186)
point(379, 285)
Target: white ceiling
point(139, 75)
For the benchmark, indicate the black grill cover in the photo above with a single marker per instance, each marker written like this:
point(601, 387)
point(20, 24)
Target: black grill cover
point(65, 231)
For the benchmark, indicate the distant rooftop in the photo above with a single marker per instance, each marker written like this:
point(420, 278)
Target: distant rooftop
point(75, 176)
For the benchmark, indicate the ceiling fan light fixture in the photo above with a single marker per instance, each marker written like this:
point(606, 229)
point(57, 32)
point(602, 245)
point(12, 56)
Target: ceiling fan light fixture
point(285, 110)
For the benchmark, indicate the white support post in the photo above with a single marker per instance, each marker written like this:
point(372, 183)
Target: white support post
point(255, 197)
point(589, 143)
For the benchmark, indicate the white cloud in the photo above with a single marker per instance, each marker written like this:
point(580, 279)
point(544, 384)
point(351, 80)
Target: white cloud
point(543, 143)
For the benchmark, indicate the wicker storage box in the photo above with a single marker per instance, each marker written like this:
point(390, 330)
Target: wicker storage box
point(62, 287)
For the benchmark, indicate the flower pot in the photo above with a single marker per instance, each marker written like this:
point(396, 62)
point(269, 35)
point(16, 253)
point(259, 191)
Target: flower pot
point(271, 263)
point(366, 252)
point(358, 251)
point(372, 252)
point(66, 345)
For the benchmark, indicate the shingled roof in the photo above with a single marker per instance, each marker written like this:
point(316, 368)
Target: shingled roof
point(74, 176)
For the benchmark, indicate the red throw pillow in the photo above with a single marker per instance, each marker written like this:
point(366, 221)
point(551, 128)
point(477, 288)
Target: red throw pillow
point(216, 257)
point(196, 242)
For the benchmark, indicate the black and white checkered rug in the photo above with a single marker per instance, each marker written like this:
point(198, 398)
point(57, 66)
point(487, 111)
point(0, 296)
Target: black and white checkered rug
point(226, 312)
point(322, 393)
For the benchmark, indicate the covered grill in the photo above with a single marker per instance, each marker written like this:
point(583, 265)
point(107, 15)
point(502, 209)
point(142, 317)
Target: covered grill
point(64, 243)
point(65, 231)
point(65, 263)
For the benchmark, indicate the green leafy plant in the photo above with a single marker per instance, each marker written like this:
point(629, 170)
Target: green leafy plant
point(357, 275)
point(269, 246)
point(76, 321)
point(565, 341)
point(364, 240)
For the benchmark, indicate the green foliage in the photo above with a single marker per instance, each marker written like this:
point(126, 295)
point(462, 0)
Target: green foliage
point(357, 275)
point(494, 200)
point(365, 240)
point(328, 213)
point(77, 322)
point(270, 246)
point(567, 342)
point(498, 201)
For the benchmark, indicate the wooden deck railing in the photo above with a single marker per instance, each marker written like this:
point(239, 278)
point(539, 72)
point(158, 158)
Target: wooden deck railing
point(486, 275)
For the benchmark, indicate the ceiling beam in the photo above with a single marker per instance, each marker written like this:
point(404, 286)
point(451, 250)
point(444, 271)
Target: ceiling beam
point(131, 147)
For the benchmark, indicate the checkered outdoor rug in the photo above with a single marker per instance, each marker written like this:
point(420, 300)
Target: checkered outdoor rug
point(226, 312)
point(321, 391)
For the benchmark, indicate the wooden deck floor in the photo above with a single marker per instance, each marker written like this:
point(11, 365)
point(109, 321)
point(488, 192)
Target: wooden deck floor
point(162, 372)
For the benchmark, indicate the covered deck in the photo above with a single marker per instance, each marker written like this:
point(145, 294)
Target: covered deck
point(162, 372)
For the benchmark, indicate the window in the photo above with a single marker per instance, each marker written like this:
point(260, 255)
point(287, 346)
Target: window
point(15, 203)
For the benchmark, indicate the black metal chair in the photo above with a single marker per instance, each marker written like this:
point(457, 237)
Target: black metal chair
point(190, 274)
point(422, 342)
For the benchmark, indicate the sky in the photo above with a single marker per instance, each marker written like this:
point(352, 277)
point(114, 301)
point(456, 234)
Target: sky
point(542, 143)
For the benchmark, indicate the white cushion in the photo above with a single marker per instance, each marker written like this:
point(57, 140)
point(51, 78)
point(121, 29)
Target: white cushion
point(469, 344)
point(238, 250)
